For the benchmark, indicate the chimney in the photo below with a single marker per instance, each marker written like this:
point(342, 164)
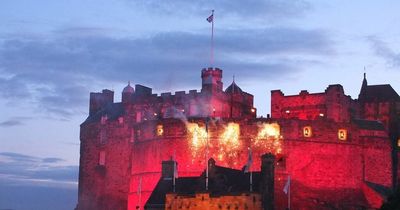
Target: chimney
point(167, 171)
point(267, 181)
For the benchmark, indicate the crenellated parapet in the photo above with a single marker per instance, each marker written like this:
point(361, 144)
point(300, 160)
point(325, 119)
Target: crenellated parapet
point(332, 104)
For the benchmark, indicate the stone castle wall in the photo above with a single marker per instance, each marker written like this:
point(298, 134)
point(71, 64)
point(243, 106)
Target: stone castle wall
point(123, 144)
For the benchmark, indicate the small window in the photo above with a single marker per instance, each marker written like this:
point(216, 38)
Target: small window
point(159, 130)
point(307, 131)
point(102, 158)
point(342, 134)
point(138, 116)
point(132, 138)
point(103, 119)
point(138, 134)
point(103, 136)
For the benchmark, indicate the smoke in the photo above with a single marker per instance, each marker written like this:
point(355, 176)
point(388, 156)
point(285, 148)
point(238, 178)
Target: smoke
point(176, 113)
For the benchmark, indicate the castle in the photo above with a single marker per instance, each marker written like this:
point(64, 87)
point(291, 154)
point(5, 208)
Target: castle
point(340, 152)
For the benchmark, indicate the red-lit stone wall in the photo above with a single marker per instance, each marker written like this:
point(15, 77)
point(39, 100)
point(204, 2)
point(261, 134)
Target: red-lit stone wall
point(378, 111)
point(133, 148)
point(303, 106)
point(365, 155)
point(193, 104)
point(321, 162)
point(332, 104)
point(378, 161)
point(104, 185)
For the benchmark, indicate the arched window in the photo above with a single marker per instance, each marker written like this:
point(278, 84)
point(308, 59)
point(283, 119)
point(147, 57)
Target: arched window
point(160, 130)
point(307, 131)
point(342, 134)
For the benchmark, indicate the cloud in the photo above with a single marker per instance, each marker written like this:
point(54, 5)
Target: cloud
point(20, 169)
point(15, 121)
point(249, 9)
point(52, 160)
point(10, 123)
point(17, 157)
point(56, 73)
point(381, 49)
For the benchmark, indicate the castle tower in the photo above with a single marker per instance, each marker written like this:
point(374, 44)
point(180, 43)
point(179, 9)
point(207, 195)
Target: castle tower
point(127, 93)
point(363, 90)
point(234, 91)
point(211, 80)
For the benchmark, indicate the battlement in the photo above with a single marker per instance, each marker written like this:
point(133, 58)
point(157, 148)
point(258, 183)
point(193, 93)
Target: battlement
point(141, 103)
point(212, 71)
point(142, 90)
point(332, 104)
point(182, 93)
point(99, 100)
point(334, 88)
point(211, 80)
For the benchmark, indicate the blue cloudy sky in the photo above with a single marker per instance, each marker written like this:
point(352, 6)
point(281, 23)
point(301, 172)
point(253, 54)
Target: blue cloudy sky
point(53, 53)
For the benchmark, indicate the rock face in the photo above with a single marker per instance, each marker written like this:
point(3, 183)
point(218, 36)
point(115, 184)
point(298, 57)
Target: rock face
point(330, 144)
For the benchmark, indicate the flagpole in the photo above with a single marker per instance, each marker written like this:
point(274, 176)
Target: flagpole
point(251, 181)
point(289, 194)
point(207, 153)
point(212, 39)
point(247, 168)
point(251, 172)
point(175, 172)
point(174, 177)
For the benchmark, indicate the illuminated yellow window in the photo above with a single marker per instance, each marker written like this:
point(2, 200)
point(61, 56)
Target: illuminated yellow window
point(342, 134)
point(160, 130)
point(307, 131)
point(398, 142)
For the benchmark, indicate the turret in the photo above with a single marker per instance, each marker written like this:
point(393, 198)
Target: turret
point(127, 93)
point(233, 89)
point(363, 90)
point(211, 80)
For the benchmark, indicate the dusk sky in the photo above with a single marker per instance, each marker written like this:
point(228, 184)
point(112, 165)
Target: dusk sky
point(54, 53)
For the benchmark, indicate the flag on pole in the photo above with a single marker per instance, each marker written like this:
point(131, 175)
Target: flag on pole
point(210, 18)
point(287, 185)
point(175, 171)
point(249, 161)
point(175, 168)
